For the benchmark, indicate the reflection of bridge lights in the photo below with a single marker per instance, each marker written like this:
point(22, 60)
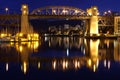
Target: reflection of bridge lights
point(6, 66)
point(36, 45)
point(108, 64)
point(46, 38)
point(67, 52)
point(77, 64)
point(97, 62)
point(65, 64)
point(104, 63)
point(89, 62)
point(38, 65)
point(84, 51)
point(94, 68)
point(54, 64)
point(24, 67)
point(21, 48)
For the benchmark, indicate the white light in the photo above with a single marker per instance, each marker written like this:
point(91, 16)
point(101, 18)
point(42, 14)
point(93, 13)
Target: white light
point(6, 9)
point(67, 52)
point(108, 64)
point(54, 11)
point(104, 63)
point(46, 39)
point(6, 66)
point(76, 11)
point(109, 11)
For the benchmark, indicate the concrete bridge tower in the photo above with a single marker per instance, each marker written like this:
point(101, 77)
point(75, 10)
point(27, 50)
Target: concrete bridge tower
point(93, 12)
point(25, 27)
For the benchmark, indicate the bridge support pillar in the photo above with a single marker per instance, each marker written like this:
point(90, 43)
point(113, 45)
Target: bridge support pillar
point(93, 25)
point(93, 12)
point(25, 28)
point(87, 25)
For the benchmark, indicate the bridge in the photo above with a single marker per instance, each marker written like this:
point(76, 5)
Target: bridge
point(93, 20)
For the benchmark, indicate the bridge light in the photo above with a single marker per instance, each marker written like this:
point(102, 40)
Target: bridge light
point(94, 8)
point(90, 14)
point(38, 10)
point(105, 13)
point(24, 6)
point(63, 11)
point(109, 11)
point(76, 11)
point(54, 11)
point(98, 13)
point(24, 12)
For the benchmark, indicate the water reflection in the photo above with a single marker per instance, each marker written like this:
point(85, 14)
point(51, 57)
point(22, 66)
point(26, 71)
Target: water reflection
point(61, 53)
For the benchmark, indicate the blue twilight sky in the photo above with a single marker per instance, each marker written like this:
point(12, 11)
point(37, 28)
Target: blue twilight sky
point(103, 5)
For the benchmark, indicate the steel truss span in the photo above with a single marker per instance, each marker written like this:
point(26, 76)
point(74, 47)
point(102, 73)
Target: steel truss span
point(58, 10)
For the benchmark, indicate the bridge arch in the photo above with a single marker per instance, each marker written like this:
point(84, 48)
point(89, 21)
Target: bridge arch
point(58, 10)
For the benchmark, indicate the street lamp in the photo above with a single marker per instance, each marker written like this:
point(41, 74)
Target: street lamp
point(6, 9)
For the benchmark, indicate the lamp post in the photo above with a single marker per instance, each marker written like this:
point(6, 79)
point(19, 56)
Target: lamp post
point(6, 9)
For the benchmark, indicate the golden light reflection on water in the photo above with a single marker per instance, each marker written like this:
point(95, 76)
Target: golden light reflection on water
point(54, 64)
point(95, 51)
point(38, 65)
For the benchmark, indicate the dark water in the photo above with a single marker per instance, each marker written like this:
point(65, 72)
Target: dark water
point(61, 58)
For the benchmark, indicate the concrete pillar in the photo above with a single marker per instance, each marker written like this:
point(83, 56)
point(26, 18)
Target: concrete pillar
point(93, 12)
point(25, 28)
point(87, 25)
point(117, 25)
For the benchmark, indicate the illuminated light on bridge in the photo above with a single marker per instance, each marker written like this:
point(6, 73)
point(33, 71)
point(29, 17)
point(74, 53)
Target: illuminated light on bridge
point(61, 12)
point(93, 12)
point(24, 6)
point(6, 9)
point(76, 11)
point(58, 10)
point(54, 11)
point(109, 11)
point(94, 25)
point(26, 29)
